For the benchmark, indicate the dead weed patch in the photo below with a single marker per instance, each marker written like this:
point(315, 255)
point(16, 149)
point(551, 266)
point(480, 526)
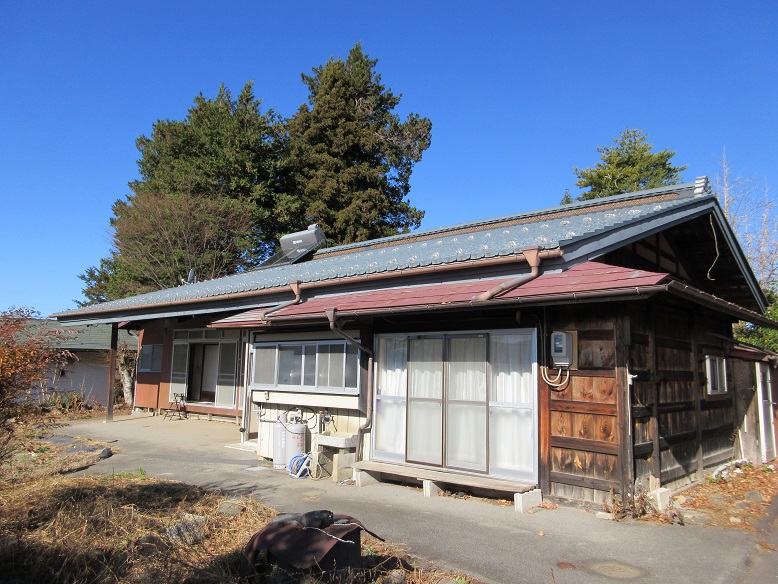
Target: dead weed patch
point(56, 527)
point(724, 501)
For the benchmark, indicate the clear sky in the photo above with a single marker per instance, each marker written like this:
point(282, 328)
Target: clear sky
point(518, 93)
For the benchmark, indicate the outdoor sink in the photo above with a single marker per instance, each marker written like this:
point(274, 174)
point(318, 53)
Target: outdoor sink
point(335, 439)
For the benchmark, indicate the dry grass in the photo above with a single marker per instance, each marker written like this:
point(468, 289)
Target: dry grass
point(60, 528)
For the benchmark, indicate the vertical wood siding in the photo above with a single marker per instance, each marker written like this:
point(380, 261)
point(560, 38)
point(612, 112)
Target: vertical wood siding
point(678, 429)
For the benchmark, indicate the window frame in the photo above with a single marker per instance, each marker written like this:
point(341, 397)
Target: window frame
point(155, 359)
point(302, 387)
point(715, 379)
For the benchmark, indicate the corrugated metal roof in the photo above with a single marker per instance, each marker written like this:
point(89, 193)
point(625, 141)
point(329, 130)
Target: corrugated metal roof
point(503, 236)
point(585, 277)
point(84, 338)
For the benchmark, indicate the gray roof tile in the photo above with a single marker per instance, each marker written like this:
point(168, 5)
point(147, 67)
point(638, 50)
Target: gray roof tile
point(503, 236)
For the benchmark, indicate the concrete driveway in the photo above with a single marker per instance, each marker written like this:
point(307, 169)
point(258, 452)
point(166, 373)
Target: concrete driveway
point(490, 542)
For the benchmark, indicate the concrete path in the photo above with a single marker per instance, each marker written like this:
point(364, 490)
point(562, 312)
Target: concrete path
point(477, 537)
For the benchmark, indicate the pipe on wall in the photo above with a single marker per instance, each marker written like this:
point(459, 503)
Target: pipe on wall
point(331, 312)
point(532, 255)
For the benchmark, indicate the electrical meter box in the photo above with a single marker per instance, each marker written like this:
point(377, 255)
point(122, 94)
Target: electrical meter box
point(562, 348)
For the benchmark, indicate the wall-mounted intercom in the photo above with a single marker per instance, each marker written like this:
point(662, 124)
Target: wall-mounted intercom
point(562, 348)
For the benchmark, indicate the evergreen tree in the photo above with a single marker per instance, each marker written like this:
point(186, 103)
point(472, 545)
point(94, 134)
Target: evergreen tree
point(218, 189)
point(205, 199)
point(350, 157)
point(628, 166)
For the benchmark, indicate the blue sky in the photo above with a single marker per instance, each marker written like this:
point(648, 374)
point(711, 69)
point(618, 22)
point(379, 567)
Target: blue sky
point(518, 94)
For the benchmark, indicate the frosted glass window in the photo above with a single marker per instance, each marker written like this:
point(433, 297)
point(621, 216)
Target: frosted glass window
point(330, 366)
point(352, 367)
point(425, 443)
point(511, 443)
point(390, 426)
point(265, 365)
point(466, 436)
point(290, 365)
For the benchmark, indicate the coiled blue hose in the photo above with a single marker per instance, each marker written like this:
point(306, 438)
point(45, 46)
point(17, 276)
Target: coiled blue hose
point(297, 466)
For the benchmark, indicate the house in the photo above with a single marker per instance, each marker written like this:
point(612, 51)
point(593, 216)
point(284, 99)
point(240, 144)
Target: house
point(87, 369)
point(577, 349)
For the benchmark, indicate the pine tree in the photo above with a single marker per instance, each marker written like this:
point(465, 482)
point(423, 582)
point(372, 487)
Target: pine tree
point(628, 166)
point(350, 158)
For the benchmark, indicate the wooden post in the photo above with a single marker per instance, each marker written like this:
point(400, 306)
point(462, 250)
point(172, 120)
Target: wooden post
point(653, 424)
point(112, 369)
point(544, 438)
point(700, 454)
point(622, 340)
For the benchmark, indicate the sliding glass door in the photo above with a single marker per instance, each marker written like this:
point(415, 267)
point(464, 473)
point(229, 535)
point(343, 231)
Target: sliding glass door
point(460, 401)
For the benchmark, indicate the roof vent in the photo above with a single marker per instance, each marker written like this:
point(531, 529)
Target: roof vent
point(701, 186)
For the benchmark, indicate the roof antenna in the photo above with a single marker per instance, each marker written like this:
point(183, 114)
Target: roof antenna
point(192, 278)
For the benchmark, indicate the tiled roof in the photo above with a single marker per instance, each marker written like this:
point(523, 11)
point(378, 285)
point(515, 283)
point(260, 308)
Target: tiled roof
point(583, 278)
point(503, 236)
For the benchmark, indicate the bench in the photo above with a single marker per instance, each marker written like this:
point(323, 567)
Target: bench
point(525, 495)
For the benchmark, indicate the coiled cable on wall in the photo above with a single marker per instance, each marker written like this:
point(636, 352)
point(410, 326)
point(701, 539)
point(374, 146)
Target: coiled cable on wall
point(557, 383)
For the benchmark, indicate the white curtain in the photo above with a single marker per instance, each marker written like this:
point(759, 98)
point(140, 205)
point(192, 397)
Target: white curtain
point(511, 369)
point(390, 396)
point(512, 443)
point(467, 368)
point(466, 420)
point(425, 364)
point(392, 359)
point(425, 405)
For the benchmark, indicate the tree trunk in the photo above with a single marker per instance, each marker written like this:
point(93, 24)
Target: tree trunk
point(126, 377)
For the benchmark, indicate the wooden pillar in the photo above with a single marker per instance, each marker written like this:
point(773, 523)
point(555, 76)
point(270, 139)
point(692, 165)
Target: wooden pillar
point(544, 437)
point(112, 369)
point(653, 424)
point(697, 398)
point(622, 340)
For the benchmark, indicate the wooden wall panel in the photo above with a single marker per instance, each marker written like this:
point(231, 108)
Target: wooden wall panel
point(582, 436)
point(586, 388)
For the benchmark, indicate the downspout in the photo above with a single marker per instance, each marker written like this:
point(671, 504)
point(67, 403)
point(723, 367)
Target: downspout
point(330, 312)
point(295, 286)
point(532, 255)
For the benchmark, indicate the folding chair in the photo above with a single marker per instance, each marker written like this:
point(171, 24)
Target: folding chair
point(177, 406)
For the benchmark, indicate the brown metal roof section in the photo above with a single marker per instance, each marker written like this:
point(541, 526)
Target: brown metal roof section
point(586, 278)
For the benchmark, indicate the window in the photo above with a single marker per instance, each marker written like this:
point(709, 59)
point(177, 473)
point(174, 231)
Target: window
point(716, 371)
point(329, 366)
point(150, 358)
